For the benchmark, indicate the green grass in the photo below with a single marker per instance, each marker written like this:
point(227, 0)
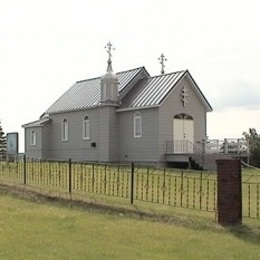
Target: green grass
point(44, 230)
point(189, 189)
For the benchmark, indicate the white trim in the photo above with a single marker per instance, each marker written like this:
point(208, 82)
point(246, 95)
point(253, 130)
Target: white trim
point(64, 130)
point(138, 125)
point(86, 128)
point(33, 137)
point(199, 92)
point(38, 123)
point(136, 108)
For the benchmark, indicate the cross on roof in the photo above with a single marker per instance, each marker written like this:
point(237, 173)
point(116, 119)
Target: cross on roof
point(162, 59)
point(109, 49)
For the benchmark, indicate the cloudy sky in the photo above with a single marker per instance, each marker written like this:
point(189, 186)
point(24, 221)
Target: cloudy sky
point(47, 45)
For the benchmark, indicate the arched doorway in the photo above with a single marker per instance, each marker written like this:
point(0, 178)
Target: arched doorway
point(183, 133)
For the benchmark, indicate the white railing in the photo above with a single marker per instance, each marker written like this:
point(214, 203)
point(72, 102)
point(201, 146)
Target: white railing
point(227, 146)
point(211, 146)
point(179, 146)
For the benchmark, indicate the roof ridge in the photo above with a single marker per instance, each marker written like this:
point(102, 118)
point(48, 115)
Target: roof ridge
point(80, 81)
point(120, 72)
point(142, 67)
point(170, 73)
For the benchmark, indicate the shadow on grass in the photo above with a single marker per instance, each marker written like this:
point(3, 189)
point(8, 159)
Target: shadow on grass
point(246, 233)
point(67, 200)
point(178, 218)
point(191, 221)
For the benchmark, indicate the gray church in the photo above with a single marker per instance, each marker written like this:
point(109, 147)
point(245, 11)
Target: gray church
point(127, 116)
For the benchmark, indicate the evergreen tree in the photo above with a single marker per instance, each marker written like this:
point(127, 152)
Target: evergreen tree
point(2, 143)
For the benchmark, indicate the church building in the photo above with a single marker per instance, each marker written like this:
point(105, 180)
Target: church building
point(128, 116)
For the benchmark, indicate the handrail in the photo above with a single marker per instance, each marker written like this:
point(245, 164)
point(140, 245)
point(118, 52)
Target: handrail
point(211, 146)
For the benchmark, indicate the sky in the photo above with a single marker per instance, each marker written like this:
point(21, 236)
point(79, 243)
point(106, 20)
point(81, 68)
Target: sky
point(48, 45)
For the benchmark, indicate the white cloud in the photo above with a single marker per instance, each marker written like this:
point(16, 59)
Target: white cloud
point(232, 122)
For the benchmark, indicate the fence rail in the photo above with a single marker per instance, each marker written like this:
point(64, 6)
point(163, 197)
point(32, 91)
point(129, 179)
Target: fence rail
point(211, 146)
point(251, 196)
point(186, 189)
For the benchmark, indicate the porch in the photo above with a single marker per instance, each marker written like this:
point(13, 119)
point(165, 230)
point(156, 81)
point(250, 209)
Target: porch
point(203, 155)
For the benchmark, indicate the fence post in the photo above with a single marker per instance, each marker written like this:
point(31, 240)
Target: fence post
point(93, 177)
point(132, 184)
point(24, 169)
point(70, 184)
point(225, 145)
point(229, 192)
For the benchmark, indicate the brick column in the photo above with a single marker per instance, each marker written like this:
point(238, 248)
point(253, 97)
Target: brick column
point(229, 192)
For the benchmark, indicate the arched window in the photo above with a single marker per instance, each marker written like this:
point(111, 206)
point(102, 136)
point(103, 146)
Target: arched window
point(137, 125)
point(33, 137)
point(64, 130)
point(86, 128)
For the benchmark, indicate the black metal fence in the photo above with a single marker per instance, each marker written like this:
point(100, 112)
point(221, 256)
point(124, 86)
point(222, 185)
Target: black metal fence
point(186, 189)
point(251, 195)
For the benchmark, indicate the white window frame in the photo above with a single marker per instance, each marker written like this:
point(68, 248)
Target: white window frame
point(33, 137)
point(86, 128)
point(64, 130)
point(138, 128)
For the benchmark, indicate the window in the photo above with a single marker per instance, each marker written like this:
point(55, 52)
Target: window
point(33, 137)
point(137, 125)
point(64, 130)
point(86, 128)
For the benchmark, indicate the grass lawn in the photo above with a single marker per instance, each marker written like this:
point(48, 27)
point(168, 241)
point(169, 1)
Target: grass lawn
point(47, 230)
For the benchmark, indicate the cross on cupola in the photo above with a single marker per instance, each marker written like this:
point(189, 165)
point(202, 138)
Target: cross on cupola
point(162, 59)
point(109, 81)
point(109, 51)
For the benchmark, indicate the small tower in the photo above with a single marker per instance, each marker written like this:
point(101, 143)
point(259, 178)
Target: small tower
point(109, 81)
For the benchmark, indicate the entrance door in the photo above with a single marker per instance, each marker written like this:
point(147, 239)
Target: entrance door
point(183, 133)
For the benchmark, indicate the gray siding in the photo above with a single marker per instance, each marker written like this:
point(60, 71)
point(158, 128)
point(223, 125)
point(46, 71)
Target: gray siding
point(46, 143)
point(142, 149)
point(173, 106)
point(103, 134)
point(75, 148)
point(108, 134)
point(113, 151)
point(34, 151)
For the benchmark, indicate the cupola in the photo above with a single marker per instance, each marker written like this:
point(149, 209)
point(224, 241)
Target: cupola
point(109, 81)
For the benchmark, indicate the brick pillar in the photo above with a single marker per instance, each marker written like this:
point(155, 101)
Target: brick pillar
point(229, 192)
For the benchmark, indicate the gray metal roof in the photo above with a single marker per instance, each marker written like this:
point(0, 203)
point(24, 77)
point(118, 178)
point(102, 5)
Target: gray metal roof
point(39, 122)
point(151, 91)
point(86, 93)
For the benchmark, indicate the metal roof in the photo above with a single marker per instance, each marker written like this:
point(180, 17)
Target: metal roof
point(39, 122)
point(151, 91)
point(147, 92)
point(86, 93)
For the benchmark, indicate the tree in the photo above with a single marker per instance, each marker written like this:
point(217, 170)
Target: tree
point(2, 143)
point(253, 140)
